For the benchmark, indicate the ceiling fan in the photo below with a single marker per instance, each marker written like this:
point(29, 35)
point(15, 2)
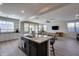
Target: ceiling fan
point(48, 21)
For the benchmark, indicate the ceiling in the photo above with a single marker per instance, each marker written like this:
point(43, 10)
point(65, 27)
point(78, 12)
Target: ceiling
point(67, 13)
point(40, 12)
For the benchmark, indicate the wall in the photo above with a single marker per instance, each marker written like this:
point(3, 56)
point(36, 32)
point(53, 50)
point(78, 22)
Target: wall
point(62, 26)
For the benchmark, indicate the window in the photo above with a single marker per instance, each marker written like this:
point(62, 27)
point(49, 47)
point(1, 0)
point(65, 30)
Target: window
point(71, 27)
point(40, 27)
point(45, 27)
point(29, 27)
point(77, 26)
point(26, 27)
point(36, 28)
point(6, 26)
point(32, 27)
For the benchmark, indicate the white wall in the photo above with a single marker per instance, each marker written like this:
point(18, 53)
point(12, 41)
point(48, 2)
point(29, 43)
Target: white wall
point(62, 26)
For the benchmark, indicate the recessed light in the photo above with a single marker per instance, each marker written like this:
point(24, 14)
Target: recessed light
point(22, 11)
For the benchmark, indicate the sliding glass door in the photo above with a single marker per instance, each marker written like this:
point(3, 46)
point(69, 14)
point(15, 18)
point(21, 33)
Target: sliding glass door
point(73, 26)
point(37, 28)
point(26, 27)
point(77, 26)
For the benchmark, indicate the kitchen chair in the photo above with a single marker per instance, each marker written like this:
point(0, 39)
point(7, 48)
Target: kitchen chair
point(52, 41)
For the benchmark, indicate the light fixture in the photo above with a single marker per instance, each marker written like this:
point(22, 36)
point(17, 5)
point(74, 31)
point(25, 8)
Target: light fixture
point(22, 11)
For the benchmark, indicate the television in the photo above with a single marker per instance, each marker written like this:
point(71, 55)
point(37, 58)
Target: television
point(55, 27)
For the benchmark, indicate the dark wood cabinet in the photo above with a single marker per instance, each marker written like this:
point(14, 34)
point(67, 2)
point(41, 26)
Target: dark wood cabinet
point(35, 49)
point(27, 47)
point(42, 49)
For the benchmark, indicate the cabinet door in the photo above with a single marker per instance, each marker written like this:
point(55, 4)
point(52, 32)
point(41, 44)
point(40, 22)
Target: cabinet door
point(27, 47)
point(42, 49)
point(38, 49)
point(33, 49)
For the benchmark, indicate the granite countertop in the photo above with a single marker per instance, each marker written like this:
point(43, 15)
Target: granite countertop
point(39, 38)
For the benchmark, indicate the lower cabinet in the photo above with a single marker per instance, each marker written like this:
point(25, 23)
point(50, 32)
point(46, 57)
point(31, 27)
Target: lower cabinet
point(27, 47)
point(35, 49)
point(38, 49)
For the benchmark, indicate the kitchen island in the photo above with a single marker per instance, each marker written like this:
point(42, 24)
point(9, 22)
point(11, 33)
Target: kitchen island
point(36, 46)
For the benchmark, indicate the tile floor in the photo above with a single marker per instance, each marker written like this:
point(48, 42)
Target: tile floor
point(10, 48)
point(63, 47)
